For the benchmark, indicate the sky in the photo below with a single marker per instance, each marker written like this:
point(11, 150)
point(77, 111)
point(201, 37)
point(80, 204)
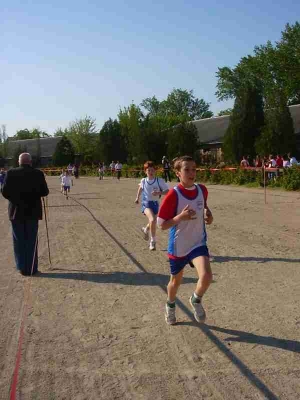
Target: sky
point(63, 60)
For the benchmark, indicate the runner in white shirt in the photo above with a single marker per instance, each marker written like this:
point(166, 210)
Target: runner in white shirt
point(118, 168)
point(112, 168)
point(66, 181)
point(151, 188)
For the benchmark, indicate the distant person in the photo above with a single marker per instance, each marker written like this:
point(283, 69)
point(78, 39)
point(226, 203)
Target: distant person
point(118, 168)
point(279, 161)
point(244, 163)
point(2, 177)
point(24, 187)
point(101, 171)
point(258, 162)
point(166, 167)
point(293, 160)
point(286, 161)
point(76, 171)
point(112, 168)
point(66, 182)
point(151, 189)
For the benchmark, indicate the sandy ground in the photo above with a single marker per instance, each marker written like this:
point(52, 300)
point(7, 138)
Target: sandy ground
point(95, 327)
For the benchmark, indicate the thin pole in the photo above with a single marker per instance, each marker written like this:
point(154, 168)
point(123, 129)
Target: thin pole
point(265, 188)
point(47, 231)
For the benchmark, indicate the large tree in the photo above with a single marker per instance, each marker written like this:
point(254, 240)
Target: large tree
point(83, 135)
point(34, 133)
point(278, 135)
point(245, 125)
point(179, 103)
point(183, 140)
point(112, 143)
point(64, 152)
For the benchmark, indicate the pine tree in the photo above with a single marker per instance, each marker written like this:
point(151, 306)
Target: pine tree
point(245, 125)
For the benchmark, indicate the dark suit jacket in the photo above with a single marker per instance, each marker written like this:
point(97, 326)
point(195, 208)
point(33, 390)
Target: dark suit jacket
point(24, 187)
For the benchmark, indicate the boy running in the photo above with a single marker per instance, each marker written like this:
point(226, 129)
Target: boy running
point(66, 182)
point(151, 187)
point(185, 211)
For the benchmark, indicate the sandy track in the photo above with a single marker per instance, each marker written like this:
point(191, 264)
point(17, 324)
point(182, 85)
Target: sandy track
point(96, 328)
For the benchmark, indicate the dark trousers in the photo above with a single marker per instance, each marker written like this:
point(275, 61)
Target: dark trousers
point(167, 175)
point(118, 174)
point(25, 235)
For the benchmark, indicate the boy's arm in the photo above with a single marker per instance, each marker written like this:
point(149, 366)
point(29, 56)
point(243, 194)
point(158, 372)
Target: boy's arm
point(185, 215)
point(138, 195)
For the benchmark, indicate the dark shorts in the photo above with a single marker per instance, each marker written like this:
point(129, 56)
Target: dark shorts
point(153, 205)
point(66, 188)
point(176, 265)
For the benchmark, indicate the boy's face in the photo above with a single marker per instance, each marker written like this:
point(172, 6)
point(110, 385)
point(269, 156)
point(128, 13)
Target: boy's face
point(187, 173)
point(150, 171)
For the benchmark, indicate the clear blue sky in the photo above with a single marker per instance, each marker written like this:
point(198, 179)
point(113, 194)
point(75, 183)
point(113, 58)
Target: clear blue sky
point(62, 60)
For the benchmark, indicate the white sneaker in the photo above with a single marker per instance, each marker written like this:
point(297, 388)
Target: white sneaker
point(146, 233)
point(199, 312)
point(170, 316)
point(152, 245)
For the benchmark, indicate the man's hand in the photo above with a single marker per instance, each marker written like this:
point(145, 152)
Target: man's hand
point(136, 201)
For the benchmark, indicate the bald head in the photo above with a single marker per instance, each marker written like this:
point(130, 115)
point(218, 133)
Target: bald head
point(24, 159)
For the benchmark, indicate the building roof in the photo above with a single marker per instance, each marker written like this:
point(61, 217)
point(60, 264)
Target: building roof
point(47, 146)
point(212, 130)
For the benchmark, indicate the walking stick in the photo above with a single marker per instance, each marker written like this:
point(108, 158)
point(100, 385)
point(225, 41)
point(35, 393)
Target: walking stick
point(47, 231)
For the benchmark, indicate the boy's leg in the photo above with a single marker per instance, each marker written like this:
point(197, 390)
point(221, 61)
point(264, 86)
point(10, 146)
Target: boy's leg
point(152, 224)
point(172, 288)
point(203, 268)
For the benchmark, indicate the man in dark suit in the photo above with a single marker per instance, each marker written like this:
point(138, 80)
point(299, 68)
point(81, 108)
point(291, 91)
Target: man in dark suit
point(24, 187)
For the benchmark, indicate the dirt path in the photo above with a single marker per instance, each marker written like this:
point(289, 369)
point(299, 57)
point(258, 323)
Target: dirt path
point(96, 328)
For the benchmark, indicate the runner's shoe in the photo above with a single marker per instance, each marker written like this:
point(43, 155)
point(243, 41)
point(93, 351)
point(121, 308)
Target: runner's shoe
point(199, 312)
point(152, 245)
point(146, 233)
point(170, 316)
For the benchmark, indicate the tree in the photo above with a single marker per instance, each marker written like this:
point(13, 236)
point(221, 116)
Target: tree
point(3, 141)
point(228, 111)
point(178, 103)
point(83, 135)
point(130, 119)
point(30, 134)
point(64, 152)
point(111, 142)
point(245, 125)
point(183, 140)
point(278, 135)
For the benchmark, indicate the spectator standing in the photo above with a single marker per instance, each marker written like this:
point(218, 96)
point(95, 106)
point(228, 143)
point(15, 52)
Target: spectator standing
point(24, 187)
point(166, 167)
point(118, 168)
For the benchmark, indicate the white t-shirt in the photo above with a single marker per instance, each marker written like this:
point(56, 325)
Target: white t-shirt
point(66, 180)
point(293, 161)
point(118, 167)
point(112, 166)
point(148, 186)
point(286, 163)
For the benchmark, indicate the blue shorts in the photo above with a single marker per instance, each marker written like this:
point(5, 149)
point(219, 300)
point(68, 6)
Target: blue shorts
point(178, 264)
point(66, 188)
point(153, 205)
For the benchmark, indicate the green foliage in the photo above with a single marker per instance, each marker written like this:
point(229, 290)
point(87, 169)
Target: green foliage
point(291, 178)
point(228, 111)
point(3, 142)
point(111, 142)
point(278, 135)
point(179, 103)
point(182, 139)
point(245, 125)
point(64, 152)
point(83, 135)
point(30, 134)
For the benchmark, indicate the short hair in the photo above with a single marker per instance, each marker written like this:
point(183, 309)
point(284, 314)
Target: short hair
point(180, 160)
point(24, 158)
point(148, 164)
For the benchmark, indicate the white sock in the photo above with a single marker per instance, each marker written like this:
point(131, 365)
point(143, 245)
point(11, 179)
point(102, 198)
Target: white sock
point(197, 297)
point(153, 239)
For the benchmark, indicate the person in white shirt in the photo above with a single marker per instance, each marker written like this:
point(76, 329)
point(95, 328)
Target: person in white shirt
point(112, 168)
point(66, 181)
point(293, 160)
point(151, 188)
point(118, 168)
point(61, 183)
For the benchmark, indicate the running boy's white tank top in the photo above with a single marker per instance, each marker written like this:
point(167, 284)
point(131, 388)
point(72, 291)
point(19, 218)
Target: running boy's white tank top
point(188, 235)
